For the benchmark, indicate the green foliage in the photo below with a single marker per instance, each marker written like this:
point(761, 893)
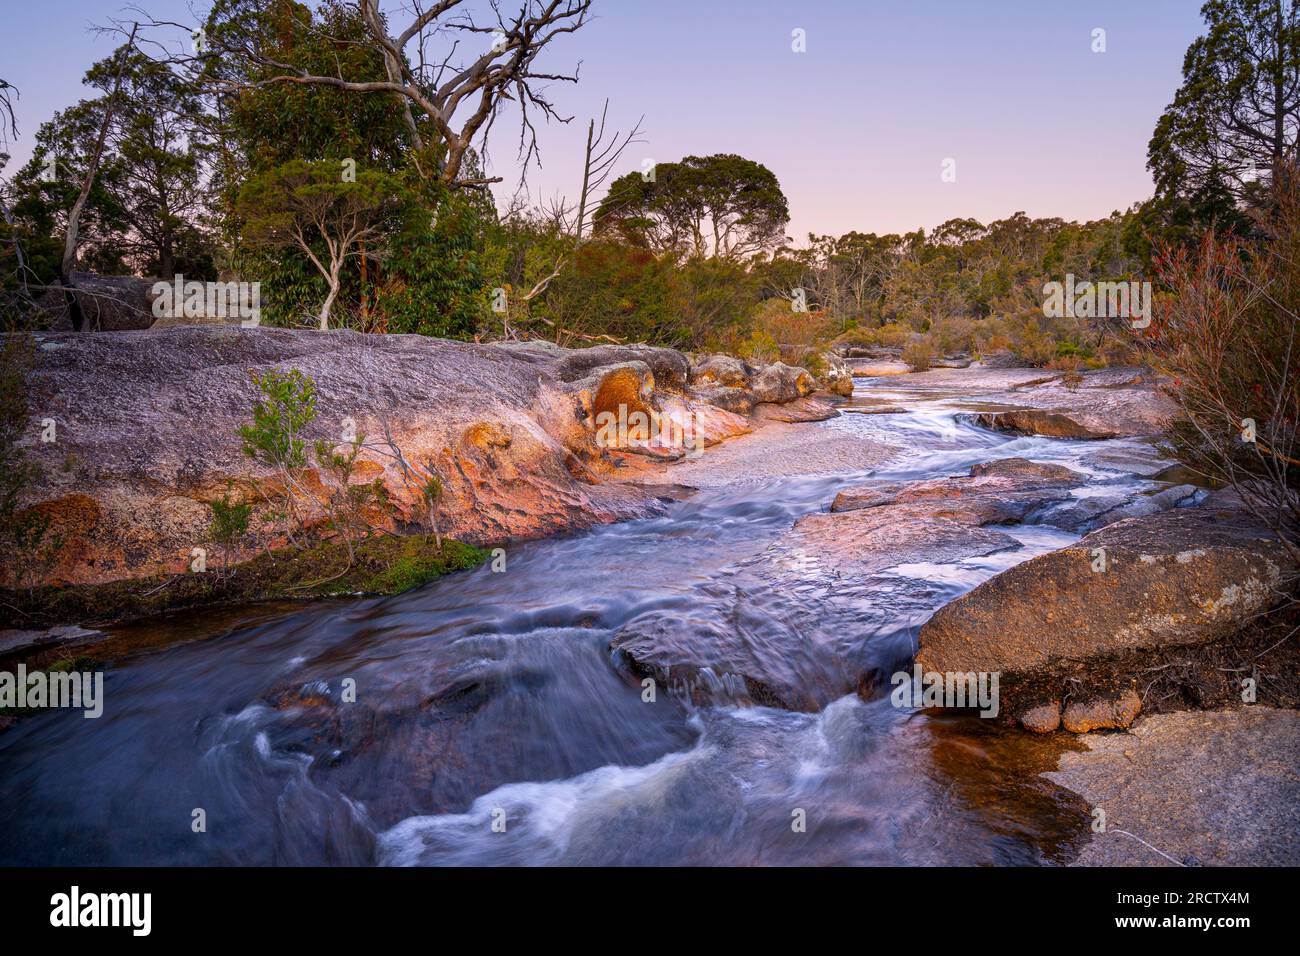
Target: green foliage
point(616, 290)
point(413, 567)
point(761, 347)
point(229, 519)
point(278, 123)
point(919, 354)
point(434, 282)
point(349, 503)
point(146, 211)
point(313, 209)
point(229, 524)
point(287, 406)
point(1233, 118)
point(723, 205)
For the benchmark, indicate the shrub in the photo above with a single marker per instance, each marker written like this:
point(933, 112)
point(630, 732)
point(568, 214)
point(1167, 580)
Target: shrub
point(894, 335)
point(348, 503)
point(954, 334)
point(919, 353)
point(287, 406)
point(229, 525)
point(1229, 338)
point(760, 348)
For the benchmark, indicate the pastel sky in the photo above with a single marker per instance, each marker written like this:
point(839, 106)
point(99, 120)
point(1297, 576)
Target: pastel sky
point(856, 128)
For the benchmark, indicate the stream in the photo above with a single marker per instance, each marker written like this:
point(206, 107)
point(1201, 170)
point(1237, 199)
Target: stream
point(493, 725)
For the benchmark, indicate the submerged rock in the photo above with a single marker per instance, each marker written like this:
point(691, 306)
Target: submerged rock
point(800, 624)
point(1096, 511)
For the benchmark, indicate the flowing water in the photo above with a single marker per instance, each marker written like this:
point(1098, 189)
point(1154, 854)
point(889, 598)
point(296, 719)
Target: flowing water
point(490, 702)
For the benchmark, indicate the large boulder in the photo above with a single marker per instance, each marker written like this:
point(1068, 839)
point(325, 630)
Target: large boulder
point(1007, 491)
point(1040, 421)
point(740, 401)
point(781, 383)
point(799, 410)
point(836, 376)
point(147, 434)
point(108, 303)
point(670, 367)
point(1186, 576)
point(725, 370)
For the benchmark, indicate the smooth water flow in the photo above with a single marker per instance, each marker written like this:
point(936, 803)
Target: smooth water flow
point(492, 698)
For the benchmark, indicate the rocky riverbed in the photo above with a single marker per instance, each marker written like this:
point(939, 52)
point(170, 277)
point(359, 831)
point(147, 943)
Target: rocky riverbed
point(769, 588)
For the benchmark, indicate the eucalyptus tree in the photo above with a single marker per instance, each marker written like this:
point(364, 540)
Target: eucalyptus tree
point(723, 205)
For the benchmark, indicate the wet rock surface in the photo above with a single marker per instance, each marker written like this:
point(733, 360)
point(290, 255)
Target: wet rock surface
point(1107, 403)
point(1214, 788)
point(522, 691)
point(797, 626)
point(1000, 492)
point(797, 410)
point(1185, 576)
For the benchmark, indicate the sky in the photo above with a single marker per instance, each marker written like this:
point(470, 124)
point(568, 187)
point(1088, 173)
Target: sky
point(857, 128)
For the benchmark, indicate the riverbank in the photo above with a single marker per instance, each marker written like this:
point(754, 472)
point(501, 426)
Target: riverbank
point(384, 564)
point(791, 566)
point(141, 435)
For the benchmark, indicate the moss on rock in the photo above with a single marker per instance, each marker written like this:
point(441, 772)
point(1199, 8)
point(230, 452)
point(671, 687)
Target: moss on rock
point(385, 564)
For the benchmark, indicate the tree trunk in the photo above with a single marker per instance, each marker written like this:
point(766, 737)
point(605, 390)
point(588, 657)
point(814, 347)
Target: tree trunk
point(329, 299)
point(1279, 91)
point(73, 236)
point(586, 181)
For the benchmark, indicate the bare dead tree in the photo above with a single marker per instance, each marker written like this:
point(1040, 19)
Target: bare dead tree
point(450, 101)
point(598, 163)
point(8, 121)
